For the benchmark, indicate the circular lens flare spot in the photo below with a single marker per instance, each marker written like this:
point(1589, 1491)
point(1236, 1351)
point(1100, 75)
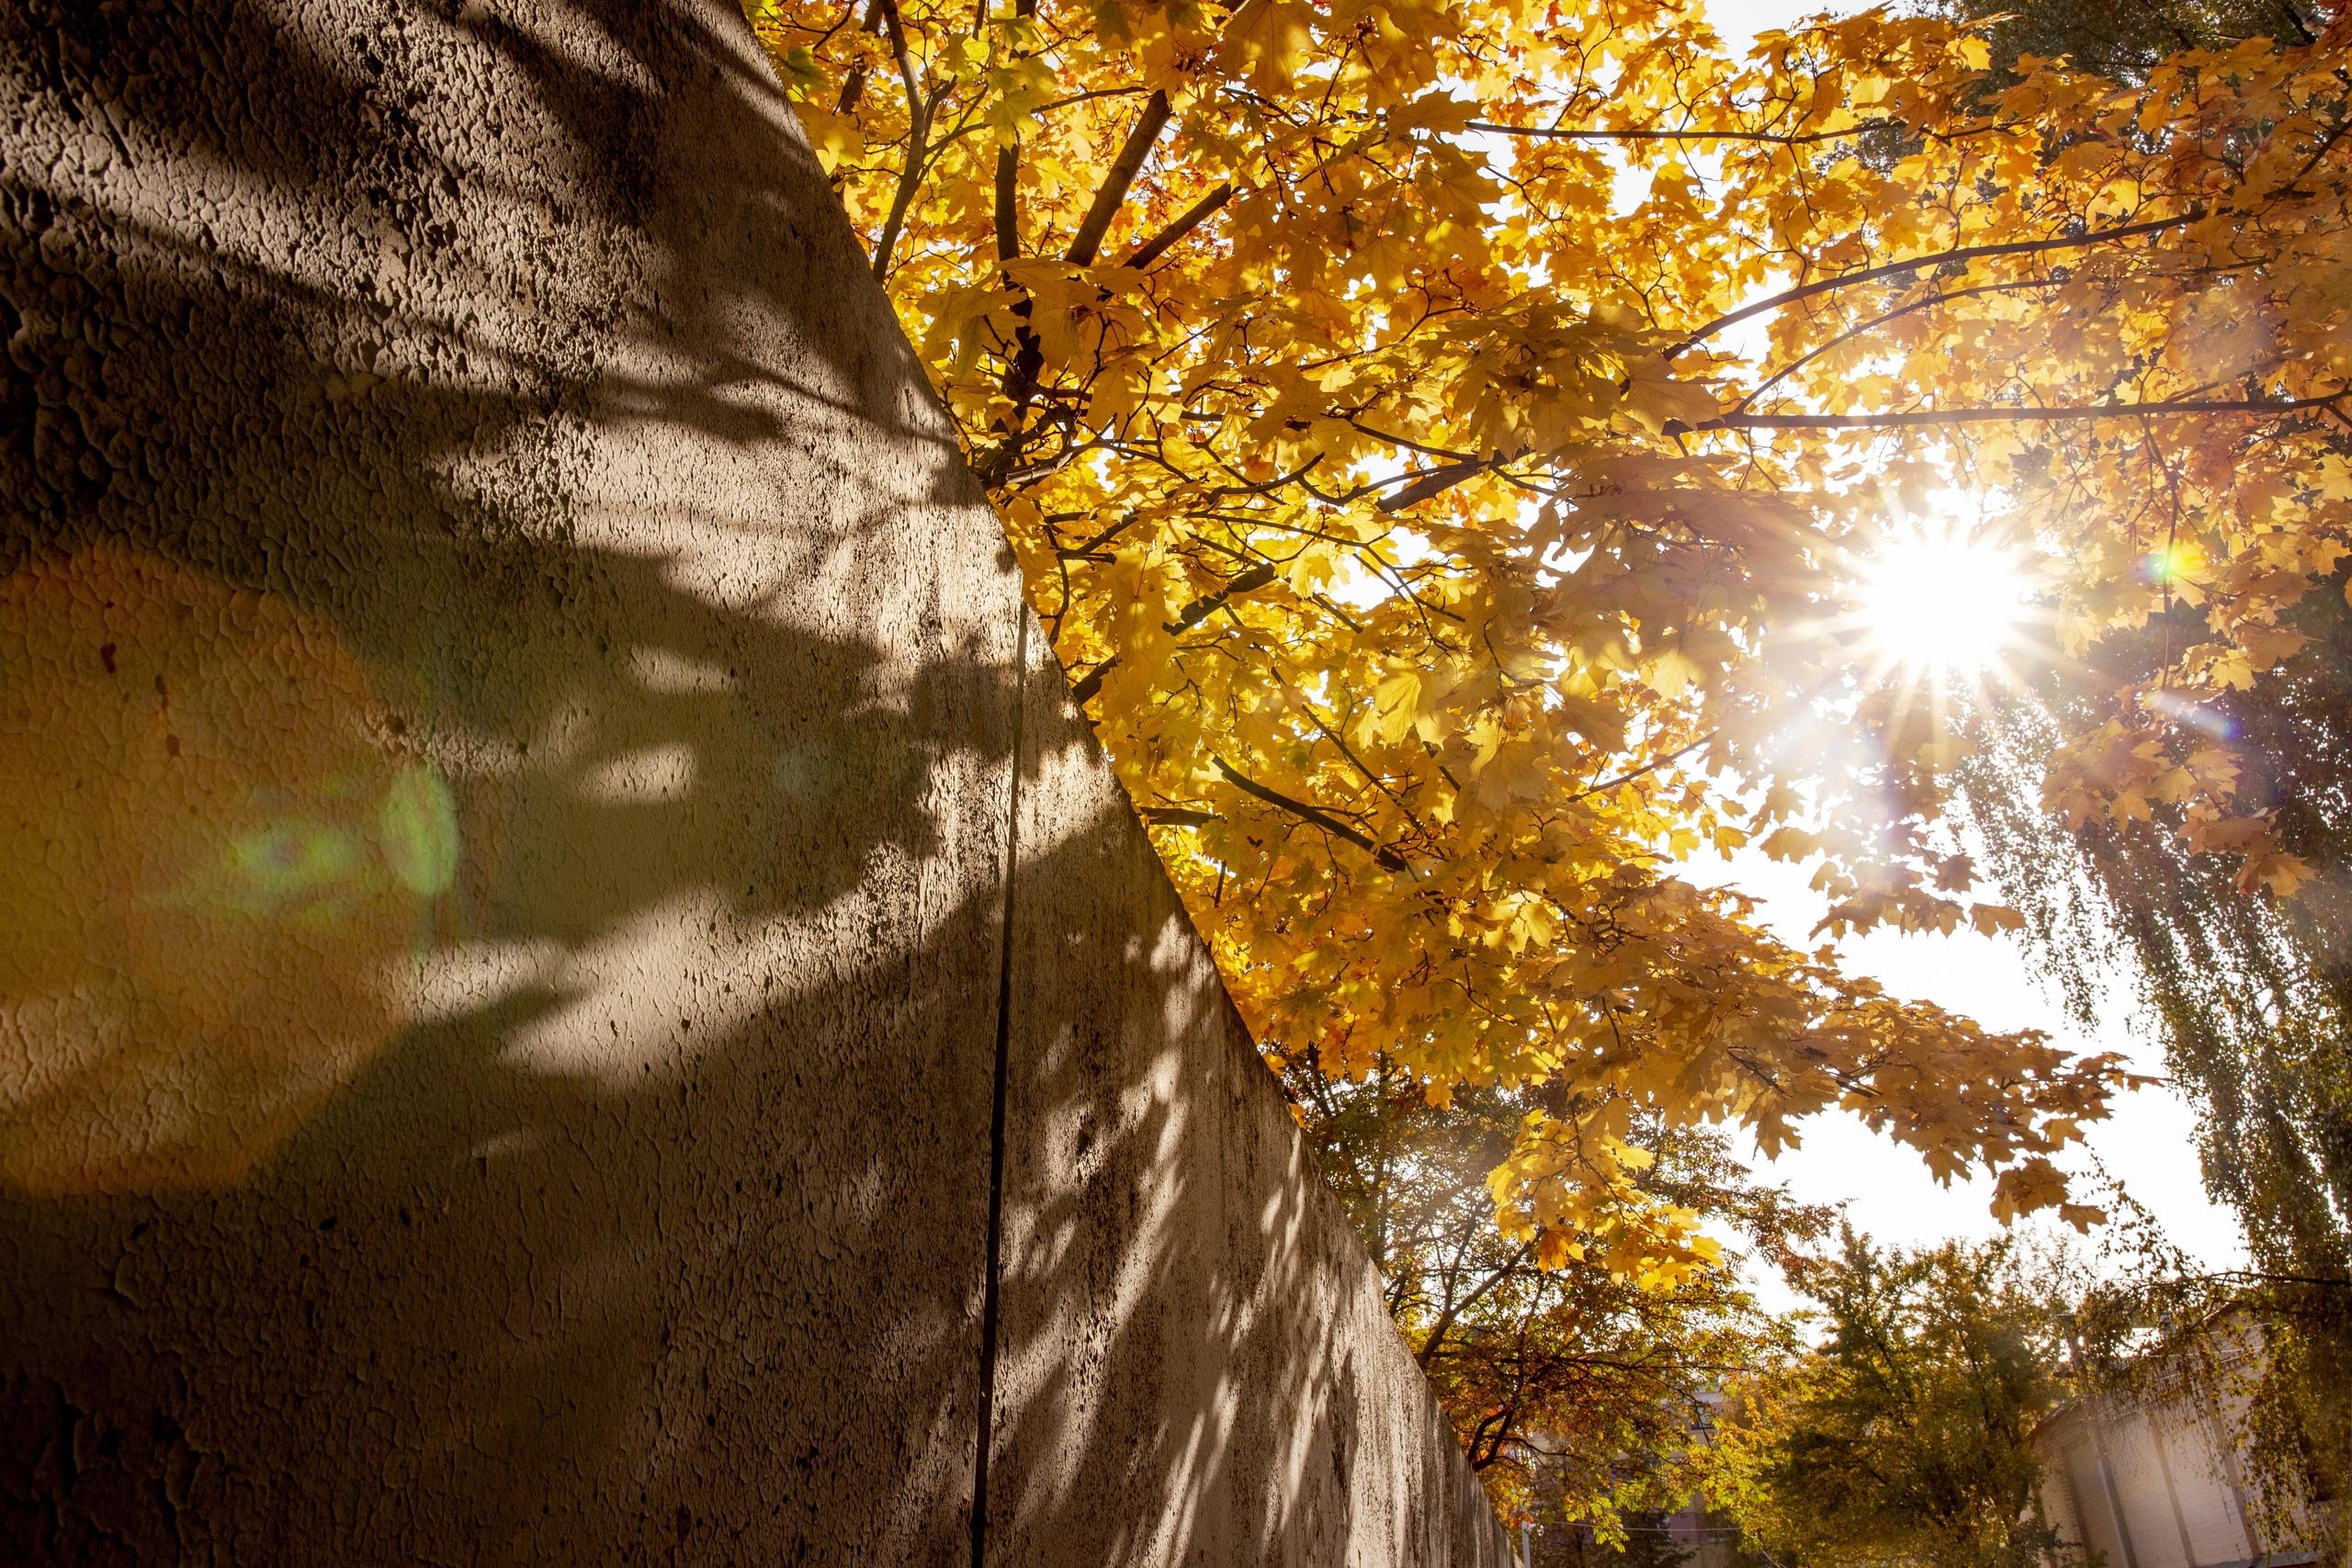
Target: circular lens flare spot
point(218, 864)
point(2171, 563)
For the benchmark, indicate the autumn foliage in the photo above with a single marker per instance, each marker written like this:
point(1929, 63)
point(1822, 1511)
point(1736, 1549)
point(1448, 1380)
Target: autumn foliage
point(1439, 438)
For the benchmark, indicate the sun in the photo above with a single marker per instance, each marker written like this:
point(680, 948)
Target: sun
point(1943, 603)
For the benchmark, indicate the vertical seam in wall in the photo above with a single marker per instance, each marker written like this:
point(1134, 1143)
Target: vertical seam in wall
point(2149, 1414)
point(2107, 1484)
point(995, 1241)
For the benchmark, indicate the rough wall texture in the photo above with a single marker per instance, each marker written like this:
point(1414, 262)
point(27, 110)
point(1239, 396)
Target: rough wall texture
point(2156, 1483)
point(516, 1041)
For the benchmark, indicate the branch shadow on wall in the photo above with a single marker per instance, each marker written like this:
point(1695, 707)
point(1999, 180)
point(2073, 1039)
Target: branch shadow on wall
point(1196, 1364)
point(514, 360)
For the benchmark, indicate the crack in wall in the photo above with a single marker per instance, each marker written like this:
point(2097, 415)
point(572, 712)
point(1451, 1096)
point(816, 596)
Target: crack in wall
point(992, 1275)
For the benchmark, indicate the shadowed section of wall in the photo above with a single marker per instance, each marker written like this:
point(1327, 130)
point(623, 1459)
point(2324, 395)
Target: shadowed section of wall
point(1194, 1365)
point(499, 385)
point(510, 714)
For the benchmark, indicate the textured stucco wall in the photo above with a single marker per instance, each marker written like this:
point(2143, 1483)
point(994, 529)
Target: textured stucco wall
point(2155, 1483)
point(514, 1024)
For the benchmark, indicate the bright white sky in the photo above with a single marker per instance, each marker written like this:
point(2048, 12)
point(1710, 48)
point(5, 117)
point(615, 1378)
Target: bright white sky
point(2149, 1144)
point(1741, 20)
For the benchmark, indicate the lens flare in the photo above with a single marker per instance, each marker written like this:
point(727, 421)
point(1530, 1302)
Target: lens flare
point(2171, 563)
point(220, 861)
point(1943, 603)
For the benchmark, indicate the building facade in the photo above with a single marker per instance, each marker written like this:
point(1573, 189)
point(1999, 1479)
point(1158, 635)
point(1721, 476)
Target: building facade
point(2155, 1482)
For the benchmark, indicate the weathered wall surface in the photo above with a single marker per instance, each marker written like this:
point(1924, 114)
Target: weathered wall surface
point(2155, 1482)
point(516, 1041)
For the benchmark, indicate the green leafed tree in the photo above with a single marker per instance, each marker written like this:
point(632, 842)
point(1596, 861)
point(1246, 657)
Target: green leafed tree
point(2250, 998)
point(1904, 1436)
point(2122, 39)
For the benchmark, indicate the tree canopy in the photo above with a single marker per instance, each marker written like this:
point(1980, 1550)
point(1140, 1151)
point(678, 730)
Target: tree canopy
point(1579, 1394)
point(1907, 1435)
point(1443, 440)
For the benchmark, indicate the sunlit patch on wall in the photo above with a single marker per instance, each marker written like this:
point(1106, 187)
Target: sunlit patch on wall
point(220, 856)
point(651, 776)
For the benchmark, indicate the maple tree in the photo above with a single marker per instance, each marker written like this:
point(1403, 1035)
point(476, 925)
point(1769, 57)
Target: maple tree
point(1438, 436)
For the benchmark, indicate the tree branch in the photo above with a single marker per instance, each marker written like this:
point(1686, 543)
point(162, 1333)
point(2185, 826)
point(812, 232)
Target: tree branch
point(1208, 605)
point(1428, 1352)
point(1028, 357)
point(854, 86)
point(1913, 263)
point(2183, 408)
point(1177, 816)
point(1436, 481)
point(1008, 193)
point(1776, 139)
point(1311, 813)
point(1626, 778)
point(1878, 321)
point(918, 138)
point(1082, 689)
point(1151, 250)
point(1113, 193)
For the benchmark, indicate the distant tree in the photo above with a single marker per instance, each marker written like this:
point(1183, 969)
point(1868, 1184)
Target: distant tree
point(2122, 40)
point(2252, 1003)
point(1649, 1542)
point(1906, 1434)
point(1581, 1391)
point(2262, 1351)
point(2251, 997)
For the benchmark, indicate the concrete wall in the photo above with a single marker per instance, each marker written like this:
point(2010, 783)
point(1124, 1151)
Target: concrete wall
point(2155, 1483)
point(517, 1040)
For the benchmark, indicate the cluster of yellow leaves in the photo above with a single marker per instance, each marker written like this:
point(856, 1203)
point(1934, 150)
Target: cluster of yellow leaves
point(1436, 436)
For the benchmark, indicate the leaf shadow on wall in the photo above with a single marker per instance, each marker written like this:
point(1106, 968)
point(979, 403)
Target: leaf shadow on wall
point(1194, 1363)
point(662, 1216)
point(515, 354)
